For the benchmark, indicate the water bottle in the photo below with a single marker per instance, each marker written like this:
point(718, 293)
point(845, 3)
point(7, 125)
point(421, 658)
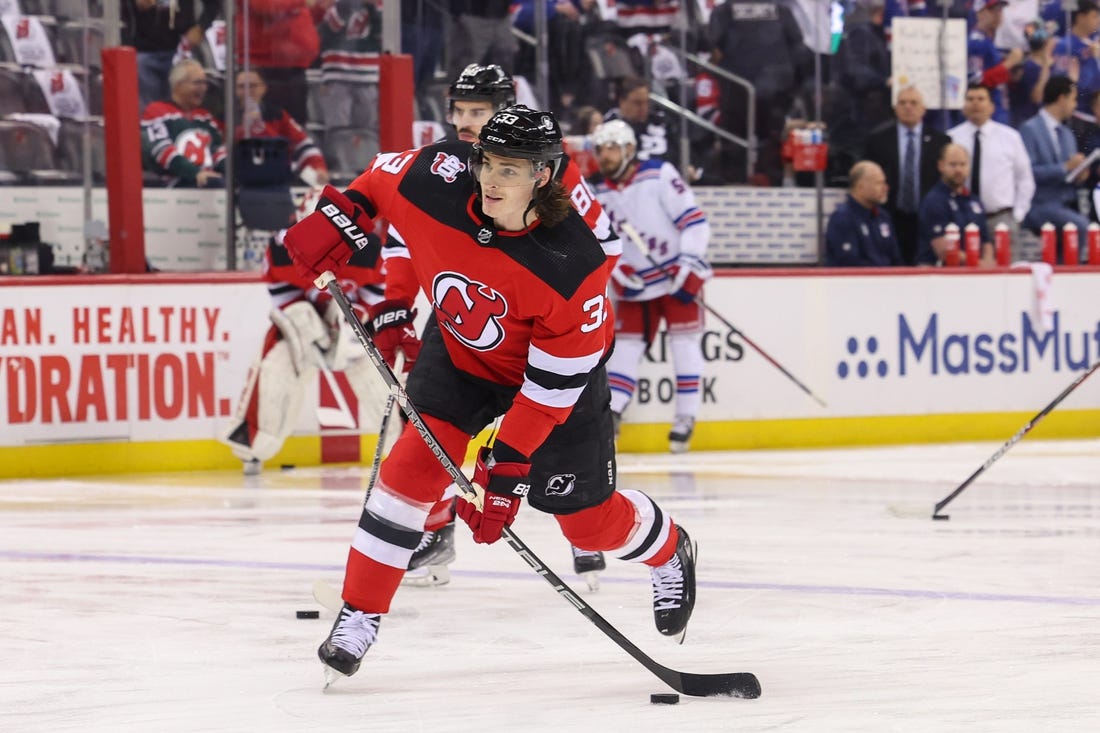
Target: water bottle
point(951, 254)
point(1069, 243)
point(1047, 240)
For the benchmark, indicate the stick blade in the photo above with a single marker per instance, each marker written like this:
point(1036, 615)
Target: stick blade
point(735, 684)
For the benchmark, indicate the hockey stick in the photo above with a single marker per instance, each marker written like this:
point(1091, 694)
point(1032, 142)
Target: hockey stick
point(398, 366)
point(1012, 441)
point(737, 684)
point(628, 229)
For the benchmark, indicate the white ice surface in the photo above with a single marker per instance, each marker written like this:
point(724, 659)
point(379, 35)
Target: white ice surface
point(166, 603)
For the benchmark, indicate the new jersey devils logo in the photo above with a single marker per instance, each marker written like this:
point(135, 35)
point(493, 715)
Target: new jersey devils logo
point(469, 310)
point(194, 144)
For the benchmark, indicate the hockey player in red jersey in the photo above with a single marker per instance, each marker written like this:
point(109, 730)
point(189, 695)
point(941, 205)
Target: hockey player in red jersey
point(520, 328)
point(307, 336)
point(477, 94)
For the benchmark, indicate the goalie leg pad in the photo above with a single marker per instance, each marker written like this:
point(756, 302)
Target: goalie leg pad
point(301, 327)
point(269, 404)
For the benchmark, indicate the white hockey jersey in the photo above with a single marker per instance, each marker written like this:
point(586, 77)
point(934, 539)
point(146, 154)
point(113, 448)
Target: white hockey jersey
point(662, 208)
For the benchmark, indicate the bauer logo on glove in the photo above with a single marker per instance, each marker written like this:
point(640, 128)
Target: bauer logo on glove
point(353, 234)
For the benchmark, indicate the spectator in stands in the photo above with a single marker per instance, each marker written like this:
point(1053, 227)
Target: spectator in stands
point(351, 33)
point(422, 36)
point(159, 30)
point(986, 63)
point(950, 202)
point(568, 71)
point(1076, 55)
point(282, 44)
point(1053, 153)
point(1025, 88)
point(259, 117)
point(650, 126)
point(481, 33)
point(1000, 170)
point(180, 139)
point(864, 63)
point(908, 151)
point(760, 42)
point(860, 232)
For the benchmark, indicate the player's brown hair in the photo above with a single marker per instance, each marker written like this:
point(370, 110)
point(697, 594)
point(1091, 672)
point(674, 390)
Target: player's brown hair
point(552, 204)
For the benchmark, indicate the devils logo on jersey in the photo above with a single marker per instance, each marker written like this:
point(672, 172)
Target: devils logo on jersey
point(194, 144)
point(469, 310)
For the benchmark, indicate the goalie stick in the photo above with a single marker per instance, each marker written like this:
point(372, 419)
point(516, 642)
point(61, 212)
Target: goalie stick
point(735, 684)
point(628, 229)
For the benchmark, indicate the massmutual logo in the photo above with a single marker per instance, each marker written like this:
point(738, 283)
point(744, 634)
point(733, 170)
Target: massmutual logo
point(936, 348)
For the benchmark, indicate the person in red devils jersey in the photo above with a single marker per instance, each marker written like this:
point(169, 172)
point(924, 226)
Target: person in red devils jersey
point(474, 96)
point(307, 336)
point(520, 328)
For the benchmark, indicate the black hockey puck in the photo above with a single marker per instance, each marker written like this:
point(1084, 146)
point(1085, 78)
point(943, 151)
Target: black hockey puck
point(941, 517)
point(287, 466)
point(664, 698)
point(308, 614)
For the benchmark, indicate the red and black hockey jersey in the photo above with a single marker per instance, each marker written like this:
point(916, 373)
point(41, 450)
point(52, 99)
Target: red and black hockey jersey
point(525, 309)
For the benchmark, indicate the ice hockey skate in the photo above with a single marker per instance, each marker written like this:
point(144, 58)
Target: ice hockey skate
point(674, 589)
point(431, 557)
point(352, 635)
point(680, 435)
point(588, 564)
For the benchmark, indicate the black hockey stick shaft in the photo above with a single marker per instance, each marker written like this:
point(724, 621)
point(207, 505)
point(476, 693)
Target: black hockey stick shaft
point(636, 238)
point(738, 684)
point(390, 401)
point(1016, 438)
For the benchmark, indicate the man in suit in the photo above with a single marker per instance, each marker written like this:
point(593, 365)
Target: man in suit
point(1053, 152)
point(907, 152)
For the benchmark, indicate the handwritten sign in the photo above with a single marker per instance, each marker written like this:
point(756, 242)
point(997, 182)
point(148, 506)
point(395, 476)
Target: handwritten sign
point(930, 54)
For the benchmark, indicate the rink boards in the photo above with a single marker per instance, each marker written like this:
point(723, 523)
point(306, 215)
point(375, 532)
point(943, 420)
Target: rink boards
point(142, 373)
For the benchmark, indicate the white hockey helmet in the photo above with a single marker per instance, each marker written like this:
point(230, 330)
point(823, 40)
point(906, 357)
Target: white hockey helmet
point(614, 132)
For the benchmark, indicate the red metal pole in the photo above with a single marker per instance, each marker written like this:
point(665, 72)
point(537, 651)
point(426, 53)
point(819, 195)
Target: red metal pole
point(122, 140)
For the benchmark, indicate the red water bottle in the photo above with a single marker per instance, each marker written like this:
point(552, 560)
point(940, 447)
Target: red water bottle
point(951, 254)
point(973, 243)
point(1046, 238)
point(1002, 243)
point(1094, 244)
point(1069, 244)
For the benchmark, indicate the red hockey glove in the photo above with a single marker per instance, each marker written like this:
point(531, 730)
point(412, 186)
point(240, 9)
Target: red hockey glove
point(627, 282)
point(688, 276)
point(391, 326)
point(326, 239)
point(500, 490)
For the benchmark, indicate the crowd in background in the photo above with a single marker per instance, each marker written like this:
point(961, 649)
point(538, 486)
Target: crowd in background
point(312, 78)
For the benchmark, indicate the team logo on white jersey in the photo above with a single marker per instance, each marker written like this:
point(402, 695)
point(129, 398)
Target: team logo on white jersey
point(561, 484)
point(469, 310)
point(447, 166)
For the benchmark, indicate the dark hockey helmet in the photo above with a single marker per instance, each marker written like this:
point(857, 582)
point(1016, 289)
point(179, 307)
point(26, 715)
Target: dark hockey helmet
point(521, 132)
point(479, 83)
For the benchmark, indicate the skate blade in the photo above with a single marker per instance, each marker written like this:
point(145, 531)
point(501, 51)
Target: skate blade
point(427, 577)
point(592, 578)
point(331, 675)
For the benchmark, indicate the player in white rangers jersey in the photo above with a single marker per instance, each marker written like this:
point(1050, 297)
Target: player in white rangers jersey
point(661, 282)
